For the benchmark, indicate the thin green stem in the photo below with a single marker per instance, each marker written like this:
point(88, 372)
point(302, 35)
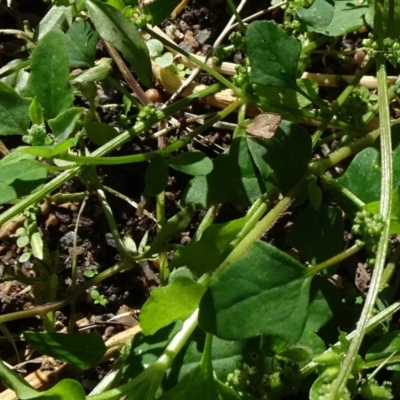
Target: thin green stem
point(385, 208)
point(334, 260)
point(390, 268)
point(92, 160)
point(237, 16)
point(207, 220)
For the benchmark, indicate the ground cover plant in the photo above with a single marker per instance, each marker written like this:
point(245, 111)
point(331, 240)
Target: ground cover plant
point(267, 267)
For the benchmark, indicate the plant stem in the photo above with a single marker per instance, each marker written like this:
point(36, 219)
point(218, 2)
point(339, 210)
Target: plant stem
point(92, 160)
point(236, 14)
point(334, 260)
point(385, 209)
point(103, 150)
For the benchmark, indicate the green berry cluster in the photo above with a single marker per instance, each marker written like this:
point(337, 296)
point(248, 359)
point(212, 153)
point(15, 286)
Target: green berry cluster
point(241, 78)
point(371, 390)
point(37, 136)
point(369, 226)
point(147, 113)
point(220, 53)
point(356, 105)
point(391, 48)
point(141, 20)
point(238, 41)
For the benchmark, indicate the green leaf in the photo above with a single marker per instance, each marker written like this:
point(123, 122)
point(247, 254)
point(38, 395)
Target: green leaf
point(273, 55)
point(374, 208)
point(64, 124)
point(156, 176)
point(227, 355)
point(166, 304)
point(81, 350)
point(348, 16)
point(195, 385)
point(192, 163)
point(49, 77)
point(14, 112)
point(384, 347)
point(99, 132)
point(53, 21)
point(51, 150)
point(318, 15)
point(265, 292)
point(387, 19)
point(317, 235)
point(155, 47)
point(206, 254)
point(20, 177)
point(226, 392)
point(289, 97)
point(97, 73)
point(233, 180)
point(66, 389)
point(363, 175)
point(36, 113)
point(325, 303)
point(284, 158)
point(117, 29)
point(17, 383)
point(165, 60)
point(160, 10)
point(81, 44)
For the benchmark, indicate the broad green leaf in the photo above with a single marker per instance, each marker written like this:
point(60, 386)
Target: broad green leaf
point(160, 10)
point(195, 385)
point(374, 208)
point(156, 176)
point(206, 254)
point(56, 17)
point(317, 235)
point(289, 97)
point(348, 16)
point(325, 303)
point(64, 124)
point(265, 292)
point(227, 355)
point(81, 350)
point(81, 44)
point(284, 158)
point(99, 132)
point(67, 389)
point(49, 77)
point(20, 178)
point(273, 55)
point(117, 29)
point(363, 175)
point(14, 112)
point(318, 15)
point(166, 304)
point(191, 162)
point(384, 347)
point(233, 180)
point(51, 150)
